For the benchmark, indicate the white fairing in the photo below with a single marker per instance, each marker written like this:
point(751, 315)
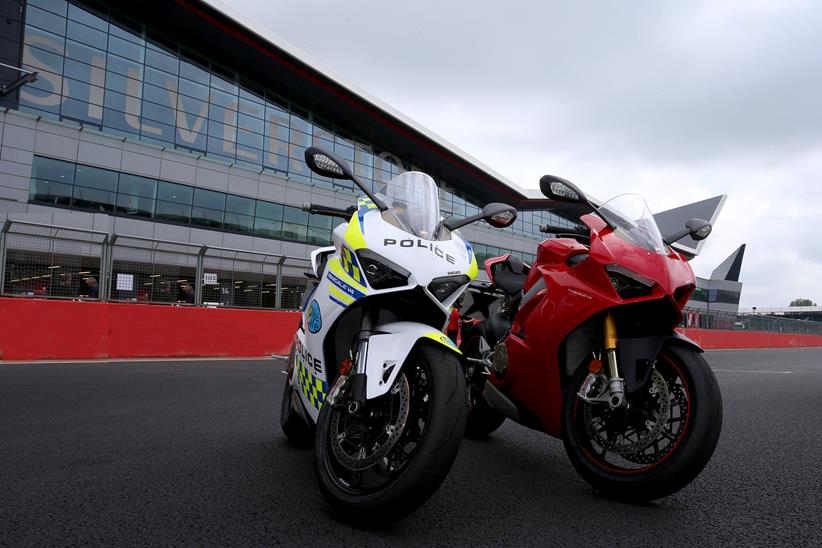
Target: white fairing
point(342, 282)
point(387, 352)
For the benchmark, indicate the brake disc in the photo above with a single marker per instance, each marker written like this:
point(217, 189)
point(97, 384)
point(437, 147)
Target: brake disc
point(601, 426)
point(359, 441)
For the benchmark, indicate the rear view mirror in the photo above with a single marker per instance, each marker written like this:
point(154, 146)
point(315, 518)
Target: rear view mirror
point(699, 229)
point(327, 164)
point(499, 215)
point(557, 188)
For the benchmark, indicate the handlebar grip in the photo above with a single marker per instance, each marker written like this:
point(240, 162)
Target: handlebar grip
point(561, 230)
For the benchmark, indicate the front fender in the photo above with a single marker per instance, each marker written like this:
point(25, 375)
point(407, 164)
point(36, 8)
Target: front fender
point(637, 355)
point(389, 348)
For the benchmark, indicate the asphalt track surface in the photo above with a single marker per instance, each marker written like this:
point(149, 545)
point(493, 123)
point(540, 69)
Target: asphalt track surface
point(190, 453)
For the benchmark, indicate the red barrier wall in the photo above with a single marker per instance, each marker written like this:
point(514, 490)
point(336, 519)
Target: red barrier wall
point(32, 329)
point(718, 339)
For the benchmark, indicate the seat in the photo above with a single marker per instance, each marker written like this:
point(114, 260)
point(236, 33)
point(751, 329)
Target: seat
point(509, 275)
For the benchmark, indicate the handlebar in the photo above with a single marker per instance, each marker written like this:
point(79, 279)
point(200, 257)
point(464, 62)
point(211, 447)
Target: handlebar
point(314, 209)
point(553, 229)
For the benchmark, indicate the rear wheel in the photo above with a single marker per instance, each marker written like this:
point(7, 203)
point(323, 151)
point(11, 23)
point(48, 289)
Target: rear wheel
point(384, 461)
point(659, 443)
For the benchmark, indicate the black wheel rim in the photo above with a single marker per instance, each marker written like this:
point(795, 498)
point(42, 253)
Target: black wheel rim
point(618, 441)
point(373, 418)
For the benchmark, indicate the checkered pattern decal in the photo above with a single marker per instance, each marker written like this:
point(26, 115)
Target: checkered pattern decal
point(313, 388)
point(351, 266)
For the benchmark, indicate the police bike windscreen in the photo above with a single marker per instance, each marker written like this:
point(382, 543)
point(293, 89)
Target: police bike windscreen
point(630, 215)
point(413, 199)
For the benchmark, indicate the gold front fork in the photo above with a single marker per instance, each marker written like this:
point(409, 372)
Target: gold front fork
point(616, 384)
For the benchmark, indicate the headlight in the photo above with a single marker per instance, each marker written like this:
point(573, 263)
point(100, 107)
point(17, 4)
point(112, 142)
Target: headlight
point(444, 287)
point(380, 272)
point(628, 284)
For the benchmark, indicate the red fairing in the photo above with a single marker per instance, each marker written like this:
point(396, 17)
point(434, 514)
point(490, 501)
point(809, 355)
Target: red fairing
point(576, 288)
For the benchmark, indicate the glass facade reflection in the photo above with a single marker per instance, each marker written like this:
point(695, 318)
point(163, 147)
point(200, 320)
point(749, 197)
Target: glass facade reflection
point(76, 186)
point(125, 79)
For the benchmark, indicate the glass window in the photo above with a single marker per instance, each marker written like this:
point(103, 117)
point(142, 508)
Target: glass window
point(49, 192)
point(319, 236)
point(43, 58)
point(159, 113)
point(240, 204)
point(94, 177)
point(86, 35)
point(209, 199)
point(52, 170)
point(54, 6)
point(203, 216)
point(87, 18)
point(133, 34)
point(135, 185)
point(193, 89)
point(239, 223)
point(293, 231)
point(162, 61)
point(126, 49)
point(267, 228)
point(82, 91)
point(84, 53)
point(320, 221)
point(45, 20)
point(269, 210)
point(79, 110)
point(93, 199)
point(193, 72)
point(295, 215)
point(172, 192)
point(170, 211)
point(137, 206)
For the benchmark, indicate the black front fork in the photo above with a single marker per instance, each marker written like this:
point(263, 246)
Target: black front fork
point(358, 377)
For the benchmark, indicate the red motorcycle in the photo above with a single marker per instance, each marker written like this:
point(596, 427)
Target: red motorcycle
point(581, 345)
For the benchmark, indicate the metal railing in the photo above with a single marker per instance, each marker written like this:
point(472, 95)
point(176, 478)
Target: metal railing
point(54, 262)
point(712, 319)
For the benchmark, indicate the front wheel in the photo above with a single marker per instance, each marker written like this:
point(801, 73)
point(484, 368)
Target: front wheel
point(387, 459)
point(656, 446)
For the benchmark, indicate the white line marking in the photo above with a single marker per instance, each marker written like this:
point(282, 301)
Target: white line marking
point(751, 371)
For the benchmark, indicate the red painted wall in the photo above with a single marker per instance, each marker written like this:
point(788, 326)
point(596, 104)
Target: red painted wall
point(35, 329)
point(32, 329)
point(718, 339)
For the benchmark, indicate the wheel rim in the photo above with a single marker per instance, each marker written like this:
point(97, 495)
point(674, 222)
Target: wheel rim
point(644, 436)
point(380, 441)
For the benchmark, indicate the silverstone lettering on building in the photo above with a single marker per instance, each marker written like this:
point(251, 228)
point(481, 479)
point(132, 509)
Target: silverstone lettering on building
point(117, 104)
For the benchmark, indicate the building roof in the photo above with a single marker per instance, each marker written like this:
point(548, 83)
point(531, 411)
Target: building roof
point(731, 267)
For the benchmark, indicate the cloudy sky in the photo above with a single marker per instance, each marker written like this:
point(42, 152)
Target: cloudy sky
point(677, 101)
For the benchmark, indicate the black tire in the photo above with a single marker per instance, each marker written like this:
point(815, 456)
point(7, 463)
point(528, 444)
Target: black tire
point(683, 455)
point(294, 426)
point(482, 420)
point(429, 459)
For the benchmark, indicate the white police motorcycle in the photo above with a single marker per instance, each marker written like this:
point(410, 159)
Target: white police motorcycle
point(371, 376)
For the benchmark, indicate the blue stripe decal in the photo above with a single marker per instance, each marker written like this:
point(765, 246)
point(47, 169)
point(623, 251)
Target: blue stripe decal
point(342, 304)
point(361, 214)
point(354, 292)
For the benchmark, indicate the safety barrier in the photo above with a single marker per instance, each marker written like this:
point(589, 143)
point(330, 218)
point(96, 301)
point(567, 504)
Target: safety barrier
point(725, 339)
point(39, 329)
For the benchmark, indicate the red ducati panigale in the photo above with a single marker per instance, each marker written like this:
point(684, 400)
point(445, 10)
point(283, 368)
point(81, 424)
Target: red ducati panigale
point(581, 345)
